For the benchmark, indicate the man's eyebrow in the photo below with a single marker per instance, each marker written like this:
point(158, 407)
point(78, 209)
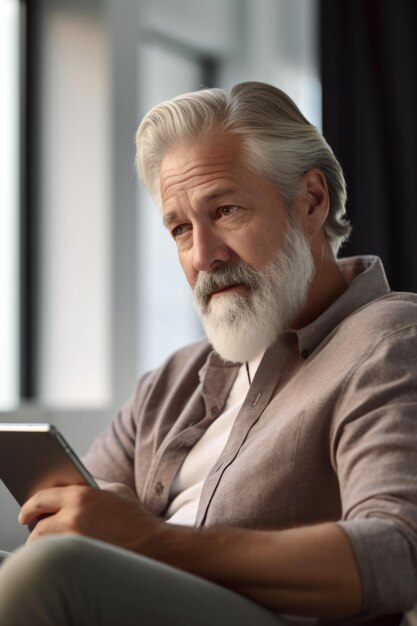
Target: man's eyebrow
point(173, 216)
point(220, 191)
point(169, 218)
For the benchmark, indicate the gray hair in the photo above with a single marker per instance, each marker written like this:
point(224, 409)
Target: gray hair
point(280, 143)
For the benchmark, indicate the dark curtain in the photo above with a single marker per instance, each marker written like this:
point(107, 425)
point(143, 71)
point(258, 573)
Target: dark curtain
point(369, 77)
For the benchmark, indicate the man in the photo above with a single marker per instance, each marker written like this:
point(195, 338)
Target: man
point(273, 467)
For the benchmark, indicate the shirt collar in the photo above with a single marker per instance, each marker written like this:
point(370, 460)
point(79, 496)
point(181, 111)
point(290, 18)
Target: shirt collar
point(367, 281)
point(366, 278)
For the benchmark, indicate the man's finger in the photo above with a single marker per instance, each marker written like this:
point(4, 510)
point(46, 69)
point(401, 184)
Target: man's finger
point(44, 503)
point(46, 525)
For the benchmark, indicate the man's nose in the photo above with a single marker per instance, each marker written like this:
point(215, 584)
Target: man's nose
point(209, 249)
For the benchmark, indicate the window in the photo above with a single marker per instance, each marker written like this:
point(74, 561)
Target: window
point(10, 133)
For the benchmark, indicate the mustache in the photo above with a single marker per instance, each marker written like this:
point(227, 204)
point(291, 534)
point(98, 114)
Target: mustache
point(224, 276)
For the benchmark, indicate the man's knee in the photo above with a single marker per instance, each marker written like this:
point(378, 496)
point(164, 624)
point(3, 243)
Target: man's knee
point(38, 584)
point(47, 560)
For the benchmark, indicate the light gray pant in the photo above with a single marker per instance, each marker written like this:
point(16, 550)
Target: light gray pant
point(70, 580)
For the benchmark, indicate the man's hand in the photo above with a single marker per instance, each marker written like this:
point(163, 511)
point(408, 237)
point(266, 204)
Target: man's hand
point(100, 514)
point(309, 570)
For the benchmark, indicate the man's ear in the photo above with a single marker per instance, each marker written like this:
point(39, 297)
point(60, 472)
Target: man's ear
point(313, 200)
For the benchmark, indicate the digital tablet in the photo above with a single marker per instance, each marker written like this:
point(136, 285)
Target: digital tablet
point(36, 456)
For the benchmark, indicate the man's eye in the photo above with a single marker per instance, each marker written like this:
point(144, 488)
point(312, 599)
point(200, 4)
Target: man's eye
point(178, 230)
point(228, 210)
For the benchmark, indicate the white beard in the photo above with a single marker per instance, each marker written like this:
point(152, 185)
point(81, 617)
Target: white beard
point(241, 326)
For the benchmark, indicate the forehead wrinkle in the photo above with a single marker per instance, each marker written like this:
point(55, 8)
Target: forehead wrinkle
point(188, 177)
point(198, 192)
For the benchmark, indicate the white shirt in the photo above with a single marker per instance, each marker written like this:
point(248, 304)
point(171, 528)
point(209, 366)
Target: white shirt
point(188, 483)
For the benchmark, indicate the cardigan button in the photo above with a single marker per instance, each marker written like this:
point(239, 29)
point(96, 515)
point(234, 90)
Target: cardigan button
point(159, 488)
point(305, 354)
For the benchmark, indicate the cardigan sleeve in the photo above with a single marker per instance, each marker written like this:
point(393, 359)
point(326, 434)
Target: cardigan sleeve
point(375, 456)
point(111, 455)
